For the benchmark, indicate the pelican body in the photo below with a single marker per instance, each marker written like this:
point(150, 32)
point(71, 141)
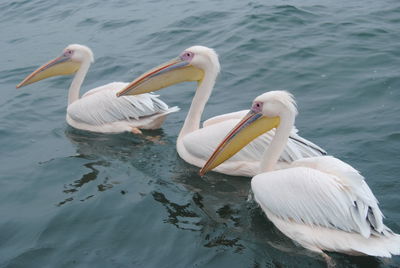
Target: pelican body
point(320, 202)
point(99, 110)
point(195, 144)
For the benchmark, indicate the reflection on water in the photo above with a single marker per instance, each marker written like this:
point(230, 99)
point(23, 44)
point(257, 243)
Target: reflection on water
point(215, 207)
point(97, 149)
point(86, 178)
point(183, 217)
point(100, 151)
point(94, 145)
point(179, 215)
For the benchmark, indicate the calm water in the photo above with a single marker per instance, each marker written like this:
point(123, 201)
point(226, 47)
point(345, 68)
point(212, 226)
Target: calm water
point(75, 199)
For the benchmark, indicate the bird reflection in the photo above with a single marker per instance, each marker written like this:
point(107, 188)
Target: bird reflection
point(96, 145)
point(101, 150)
point(86, 178)
point(179, 215)
point(213, 208)
point(186, 218)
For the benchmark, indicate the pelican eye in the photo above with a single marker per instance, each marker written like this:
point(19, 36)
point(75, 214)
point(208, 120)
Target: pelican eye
point(68, 53)
point(257, 107)
point(187, 55)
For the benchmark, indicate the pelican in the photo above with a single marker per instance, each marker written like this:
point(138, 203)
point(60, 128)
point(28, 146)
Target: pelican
point(99, 110)
point(320, 202)
point(195, 144)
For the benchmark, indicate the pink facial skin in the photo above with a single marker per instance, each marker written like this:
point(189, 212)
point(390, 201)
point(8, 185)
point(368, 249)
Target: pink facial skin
point(257, 107)
point(68, 53)
point(187, 56)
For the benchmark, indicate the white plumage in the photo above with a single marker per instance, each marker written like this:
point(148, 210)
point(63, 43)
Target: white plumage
point(100, 110)
point(322, 191)
point(321, 202)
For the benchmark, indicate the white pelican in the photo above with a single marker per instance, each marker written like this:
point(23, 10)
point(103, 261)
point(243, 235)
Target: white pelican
point(195, 144)
point(320, 202)
point(99, 110)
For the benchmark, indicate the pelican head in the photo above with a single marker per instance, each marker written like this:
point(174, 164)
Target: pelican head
point(68, 63)
point(190, 65)
point(265, 114)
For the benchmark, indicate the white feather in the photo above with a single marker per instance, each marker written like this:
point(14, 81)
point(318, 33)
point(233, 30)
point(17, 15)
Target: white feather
point(100, 110)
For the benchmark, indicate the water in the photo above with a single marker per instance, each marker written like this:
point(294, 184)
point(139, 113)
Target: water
point(74, 199)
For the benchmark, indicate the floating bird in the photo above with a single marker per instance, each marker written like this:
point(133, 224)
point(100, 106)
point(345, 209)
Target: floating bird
point(99, 110)
point(320, 202)
point(195, 144)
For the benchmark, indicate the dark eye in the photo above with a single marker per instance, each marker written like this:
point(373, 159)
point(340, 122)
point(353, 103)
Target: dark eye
point(258, 105)
point(187, 55)
point(68, 52)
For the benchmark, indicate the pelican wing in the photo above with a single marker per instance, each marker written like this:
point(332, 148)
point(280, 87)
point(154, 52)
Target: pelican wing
point(100, 106)
point(320, 191)
point(298, 147)
point(224, 117)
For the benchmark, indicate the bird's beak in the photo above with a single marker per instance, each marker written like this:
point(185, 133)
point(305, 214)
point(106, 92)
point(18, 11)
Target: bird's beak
point(167, 74)
point(62, 65)
point(250, 127)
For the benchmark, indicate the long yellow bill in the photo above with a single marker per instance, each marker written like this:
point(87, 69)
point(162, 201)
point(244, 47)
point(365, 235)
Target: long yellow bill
point(250, 127)
point(167, 74)
point(62, 65)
